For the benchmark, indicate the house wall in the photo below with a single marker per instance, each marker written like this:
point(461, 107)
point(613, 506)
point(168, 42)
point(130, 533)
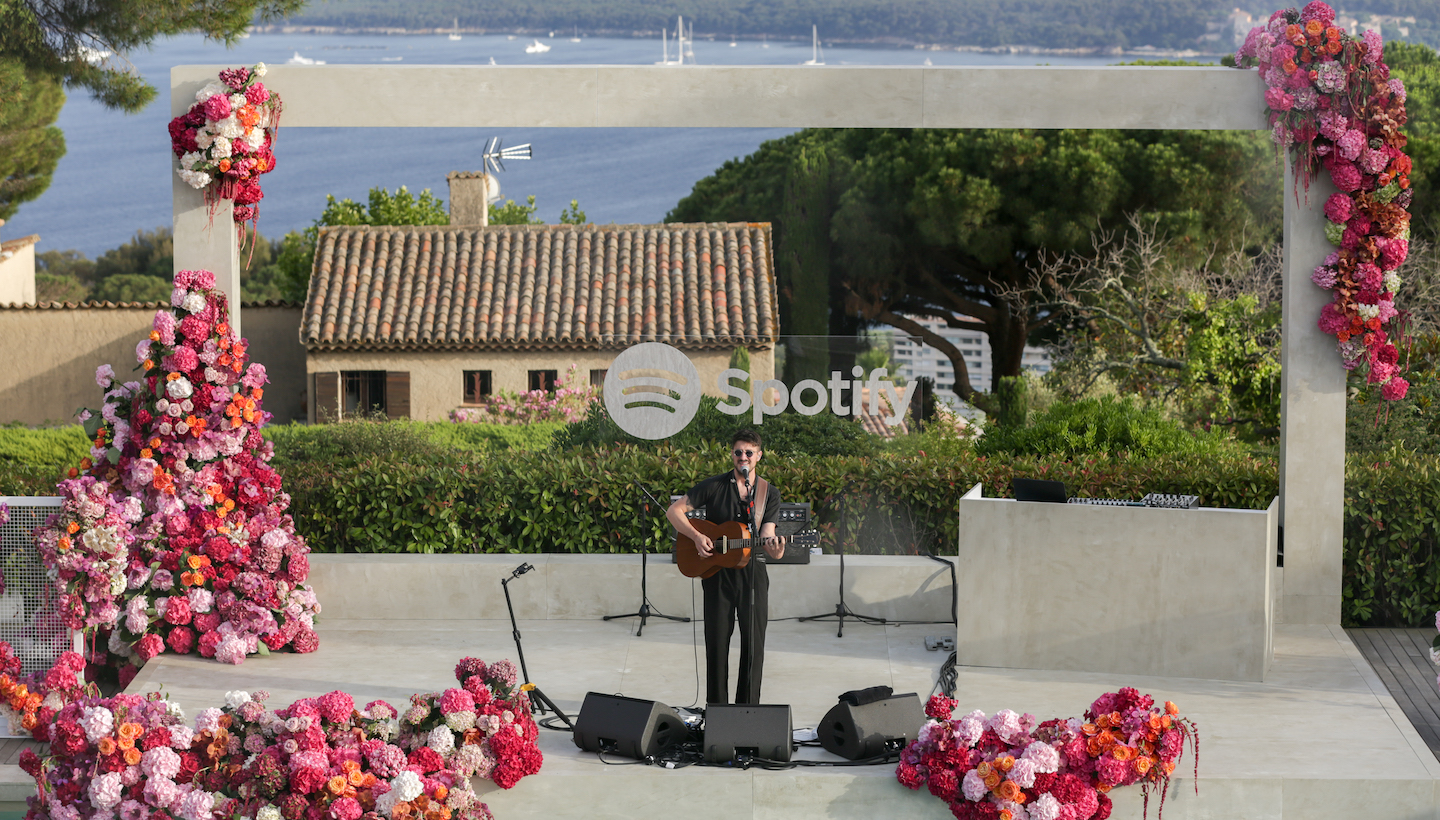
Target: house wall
point(437, 377)
point(48, 370)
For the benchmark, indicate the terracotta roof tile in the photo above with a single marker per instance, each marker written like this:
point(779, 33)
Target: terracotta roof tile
point(541, 286)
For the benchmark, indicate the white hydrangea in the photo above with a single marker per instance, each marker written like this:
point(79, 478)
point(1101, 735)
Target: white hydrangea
point(1367, 312)
point(195, 179)
point(211, 89)
point(253, 139)
point(204, 137)
point(237, 101)
point(1392, 281)
point(260, 70)
point(268, 812)
point(188, 160)
point(194, 302)
point(181, 388)
point(406, 787)
point(229, 128)
point(220, 148)
point(441, 739)
point(236, 698)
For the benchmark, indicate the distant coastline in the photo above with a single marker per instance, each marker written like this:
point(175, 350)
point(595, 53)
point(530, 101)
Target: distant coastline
point(1142, 52)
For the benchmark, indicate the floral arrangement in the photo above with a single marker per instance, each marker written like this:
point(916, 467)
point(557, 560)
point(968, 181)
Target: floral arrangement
point(87, 544)
point(29, 704)
point(319, 758)
point(483, 729)
point(568, 402)
point(1332, 102)
point(211, 561)
point(224, 141)
point(1008, 767)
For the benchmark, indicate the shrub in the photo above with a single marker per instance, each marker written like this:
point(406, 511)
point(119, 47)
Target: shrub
point(566, 403)
point(57, 447)
point(1105, 425)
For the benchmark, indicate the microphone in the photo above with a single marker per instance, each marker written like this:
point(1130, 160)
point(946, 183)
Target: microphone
point(745, 472)
point(521, 570)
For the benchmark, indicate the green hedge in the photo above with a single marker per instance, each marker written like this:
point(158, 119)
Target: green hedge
point(54, 447)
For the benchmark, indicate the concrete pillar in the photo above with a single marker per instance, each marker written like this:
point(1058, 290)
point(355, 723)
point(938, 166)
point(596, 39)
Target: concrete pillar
point(208, 242)
point(1312, 419)
point(470, 197)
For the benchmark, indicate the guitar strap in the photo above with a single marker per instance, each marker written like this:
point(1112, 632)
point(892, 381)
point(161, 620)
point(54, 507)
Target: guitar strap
point(762, 489)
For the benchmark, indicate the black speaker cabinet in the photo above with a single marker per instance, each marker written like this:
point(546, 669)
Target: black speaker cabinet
point(627, 726)
point(856, 732)
point(759, 730)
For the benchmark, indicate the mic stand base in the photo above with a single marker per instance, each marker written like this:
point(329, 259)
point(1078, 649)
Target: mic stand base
point(646, 610)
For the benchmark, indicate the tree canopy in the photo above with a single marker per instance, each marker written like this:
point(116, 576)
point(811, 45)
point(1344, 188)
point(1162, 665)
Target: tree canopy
point(83, 42)
point(954, 224)
point(30, 144)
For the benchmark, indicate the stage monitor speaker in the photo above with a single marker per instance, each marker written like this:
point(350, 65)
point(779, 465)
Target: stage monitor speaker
point(754, 729)
point(627, 726)
point(872, 729)
point(793, 518)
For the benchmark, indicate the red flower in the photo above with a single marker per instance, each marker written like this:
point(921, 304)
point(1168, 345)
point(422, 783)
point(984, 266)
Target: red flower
point(181, 640)
point(149, 646)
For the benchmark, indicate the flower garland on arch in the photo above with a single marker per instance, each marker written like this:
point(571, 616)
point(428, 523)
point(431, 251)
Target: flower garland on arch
point(224, 141)
point(1331, 101)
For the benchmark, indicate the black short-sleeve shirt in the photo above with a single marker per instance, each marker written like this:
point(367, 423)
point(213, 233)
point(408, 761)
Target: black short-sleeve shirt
point(721, 500)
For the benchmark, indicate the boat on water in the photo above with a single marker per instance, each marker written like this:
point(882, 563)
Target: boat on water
point(684, 44)
point(299, 60)
point(455, 30)
point(537, 47)
point(817, 55)
point(391, 59)
point(576, 38)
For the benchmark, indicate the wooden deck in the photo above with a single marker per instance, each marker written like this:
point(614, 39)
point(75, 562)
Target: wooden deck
point(11, 747)
point(1401, 657)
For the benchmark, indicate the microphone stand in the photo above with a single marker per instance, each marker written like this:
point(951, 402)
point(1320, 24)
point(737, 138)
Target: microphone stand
point(646, 610)
point(841, 610)
point(538, 700)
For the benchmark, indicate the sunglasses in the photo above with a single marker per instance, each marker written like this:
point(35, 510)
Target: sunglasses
point(746, 453)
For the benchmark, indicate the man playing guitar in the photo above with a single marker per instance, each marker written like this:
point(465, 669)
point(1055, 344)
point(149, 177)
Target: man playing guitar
point(739, 593)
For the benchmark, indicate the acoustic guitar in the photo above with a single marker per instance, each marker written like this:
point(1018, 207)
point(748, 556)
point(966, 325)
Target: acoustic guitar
point(732, 547)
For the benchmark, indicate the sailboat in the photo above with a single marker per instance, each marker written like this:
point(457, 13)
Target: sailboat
point(576, 38)
point(684, 47)
point(817, 57)
point(455, 30)
point(536, 47)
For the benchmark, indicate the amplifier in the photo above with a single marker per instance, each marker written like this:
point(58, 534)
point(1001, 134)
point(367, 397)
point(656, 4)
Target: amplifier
point(794, 517)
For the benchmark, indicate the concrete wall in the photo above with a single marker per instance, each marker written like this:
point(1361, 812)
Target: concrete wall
point(585, 587)
point(48, 370)
point(1119, 590)
point(437, 377)
point(17, 271)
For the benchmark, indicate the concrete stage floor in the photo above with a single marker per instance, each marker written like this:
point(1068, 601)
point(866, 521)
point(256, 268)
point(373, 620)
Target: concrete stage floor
point(1321, 739)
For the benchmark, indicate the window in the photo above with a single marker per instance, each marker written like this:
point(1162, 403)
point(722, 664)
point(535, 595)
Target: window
point(543, 379)
point(597, 377)
point(477, 386)
point(364, 392)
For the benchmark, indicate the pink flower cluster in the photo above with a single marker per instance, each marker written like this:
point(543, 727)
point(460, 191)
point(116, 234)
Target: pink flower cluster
point(482, 729)
point(568, 402)
point(224, 141)
point(1005, 767)
point(87, 544)
point(1332, 102)
point(214, 564)
point(317, 759)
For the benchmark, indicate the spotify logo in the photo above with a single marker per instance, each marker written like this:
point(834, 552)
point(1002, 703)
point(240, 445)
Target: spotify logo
point(652, 391)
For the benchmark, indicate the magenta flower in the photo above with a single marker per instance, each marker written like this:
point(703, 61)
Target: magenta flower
point(1337, 208)
point(217, 107)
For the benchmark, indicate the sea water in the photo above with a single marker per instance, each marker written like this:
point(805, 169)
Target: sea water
point(115, 177)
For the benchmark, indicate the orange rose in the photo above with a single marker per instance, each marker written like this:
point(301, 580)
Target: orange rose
point(1006, 815)
point(356, 778)
point(72, 528)
point(983, 770)
point(1166, 722)
point(1090, 729)
point(1314, 27)
point(1005, 762)
point(106, 745)
point(992, 781)
point(194, 561)
point(1142, 765)
point(1008, 790)
point(1103, 787)
point(441, 792)
point(336, 785)
point(125, 742)
point(1168, 767)
point(1171, 708)
point(132, 756)
point(30, 721)
point(64, 543)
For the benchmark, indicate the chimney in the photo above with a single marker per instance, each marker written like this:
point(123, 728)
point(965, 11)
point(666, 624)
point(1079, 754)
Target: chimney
point(470, 194)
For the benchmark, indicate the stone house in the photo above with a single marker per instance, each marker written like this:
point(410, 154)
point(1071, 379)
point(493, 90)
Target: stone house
point(418, 321)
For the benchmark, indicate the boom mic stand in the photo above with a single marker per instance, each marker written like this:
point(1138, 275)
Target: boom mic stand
point(841, 610)
point(539, 701)
point(646, 610)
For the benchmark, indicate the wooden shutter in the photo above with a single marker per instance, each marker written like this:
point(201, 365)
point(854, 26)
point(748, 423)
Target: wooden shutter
point(327, 397)
point(397, 394)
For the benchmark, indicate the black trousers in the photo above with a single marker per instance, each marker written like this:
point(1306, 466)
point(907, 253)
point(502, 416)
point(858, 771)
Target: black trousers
point(735, 596)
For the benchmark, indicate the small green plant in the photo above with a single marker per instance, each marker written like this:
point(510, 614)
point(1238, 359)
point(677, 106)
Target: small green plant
point(1105, 425)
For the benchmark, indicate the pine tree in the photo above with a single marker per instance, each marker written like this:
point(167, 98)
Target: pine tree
point(30, 144)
